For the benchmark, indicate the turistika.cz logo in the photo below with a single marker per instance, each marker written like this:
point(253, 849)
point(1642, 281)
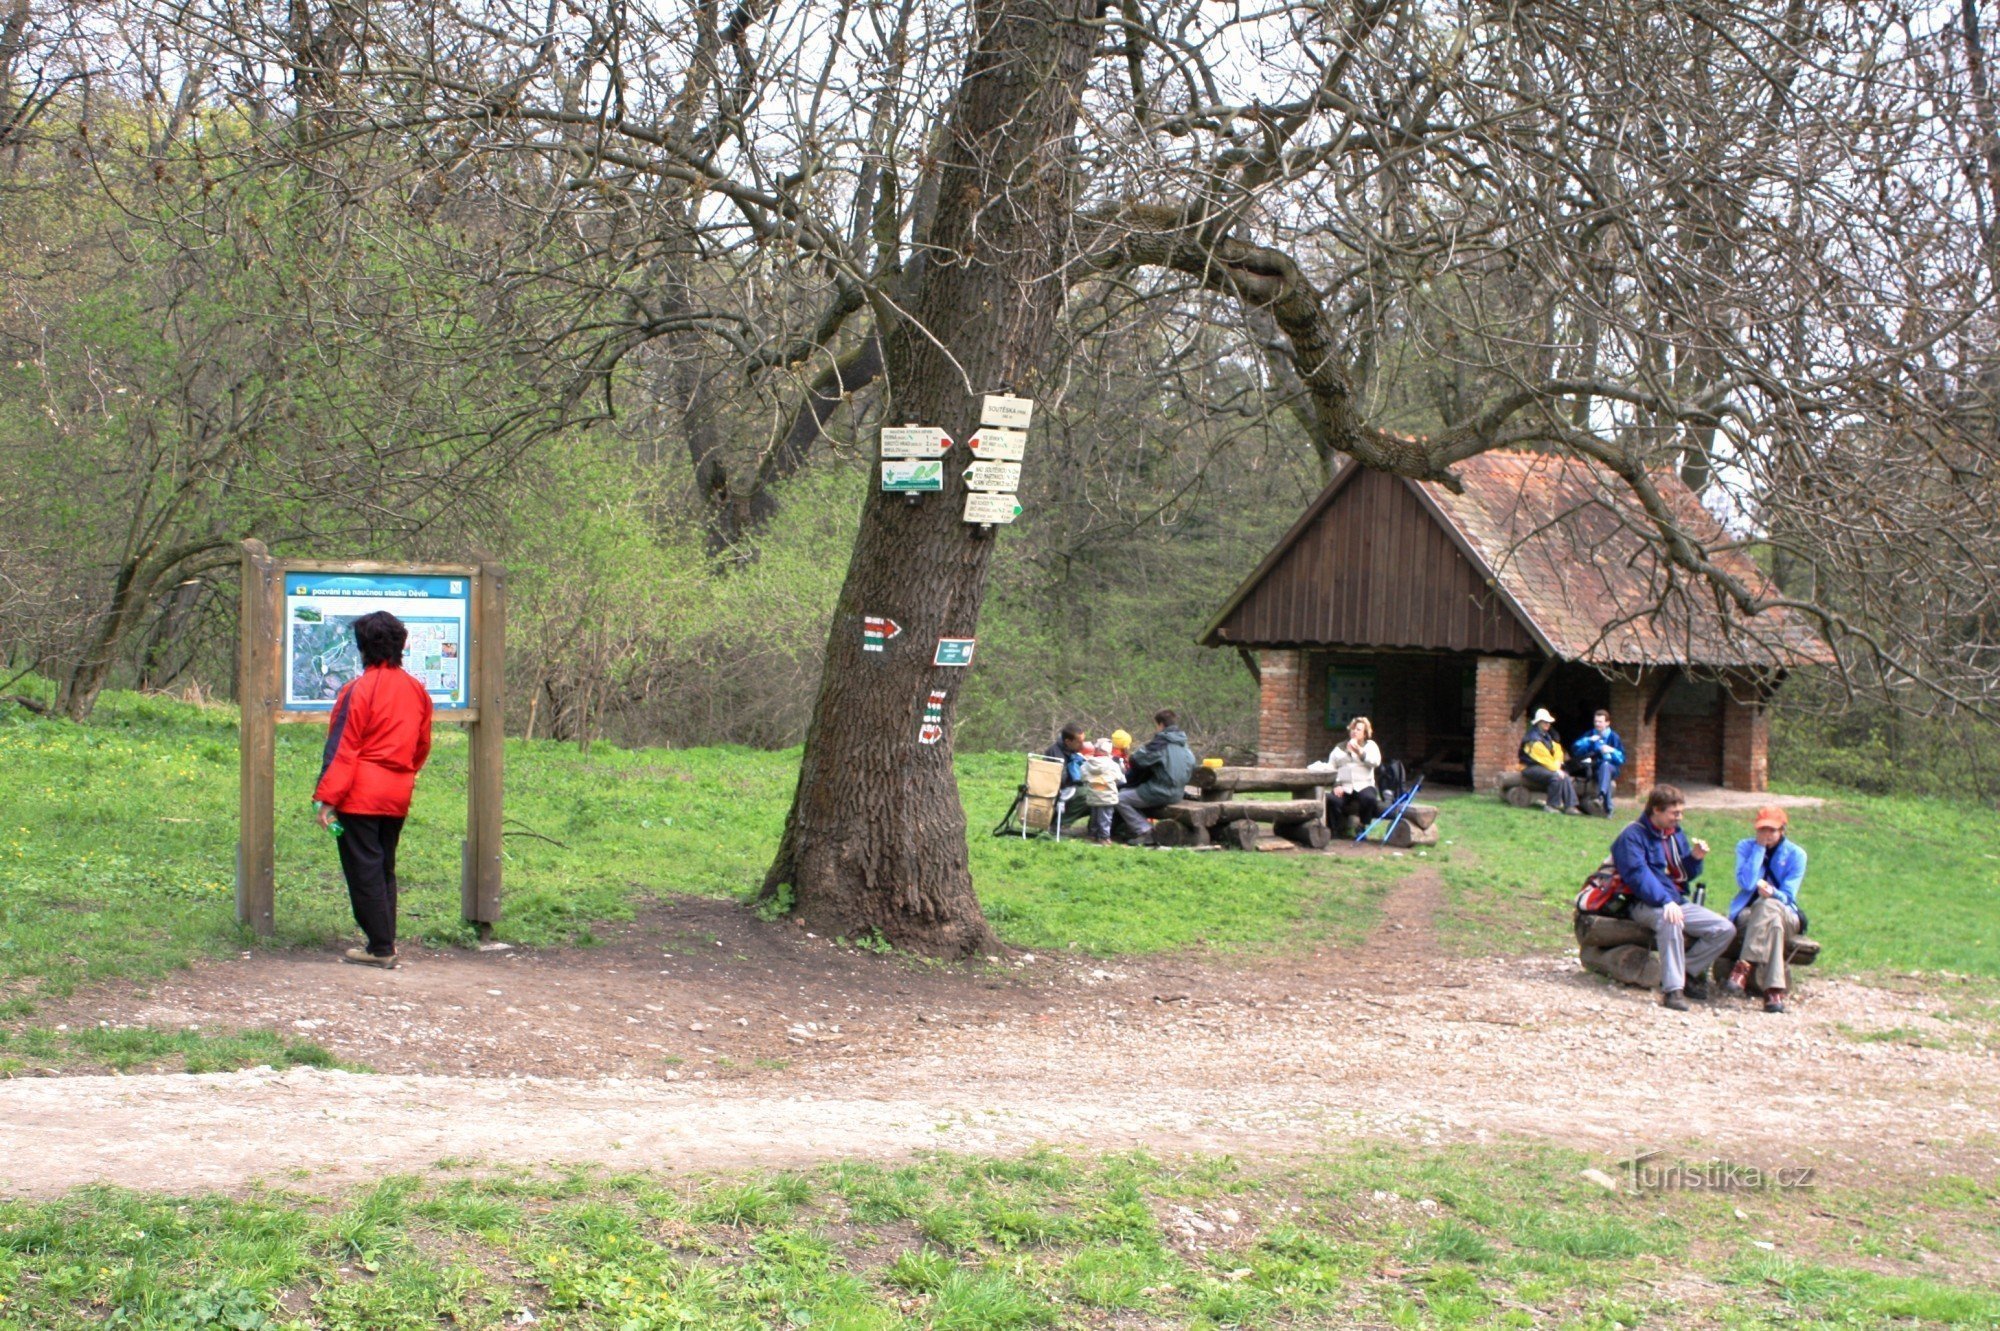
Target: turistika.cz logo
point(1648, 1172)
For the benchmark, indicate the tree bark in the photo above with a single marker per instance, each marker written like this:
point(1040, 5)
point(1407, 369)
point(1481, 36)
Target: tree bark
point(876, 835)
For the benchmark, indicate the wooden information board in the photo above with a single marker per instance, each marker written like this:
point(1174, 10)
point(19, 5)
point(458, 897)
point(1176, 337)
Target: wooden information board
point(295, 648)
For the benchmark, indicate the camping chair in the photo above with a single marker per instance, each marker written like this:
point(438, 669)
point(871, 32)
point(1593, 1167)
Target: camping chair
point(1039, 800)
point(1393, 815)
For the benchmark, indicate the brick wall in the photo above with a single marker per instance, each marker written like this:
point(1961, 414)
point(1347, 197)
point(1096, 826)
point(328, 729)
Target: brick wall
point(1746, 742)
point(1283, 717)
point(1496, 731)
point(1642, 757)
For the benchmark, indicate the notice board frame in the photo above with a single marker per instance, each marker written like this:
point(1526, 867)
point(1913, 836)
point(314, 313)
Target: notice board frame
point(260, 692)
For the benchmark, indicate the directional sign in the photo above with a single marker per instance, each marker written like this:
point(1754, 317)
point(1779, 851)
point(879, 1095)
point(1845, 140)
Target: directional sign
point(991, 508)
point(994, 476)
point(996, 443)
point(1012, 412)
point(954, 652)
point(914, 441)
point(932, 730)
point(876, 630)
point(912, 477)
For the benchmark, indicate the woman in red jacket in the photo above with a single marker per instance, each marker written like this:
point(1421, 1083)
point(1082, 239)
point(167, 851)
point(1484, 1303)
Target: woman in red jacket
point(376, 743)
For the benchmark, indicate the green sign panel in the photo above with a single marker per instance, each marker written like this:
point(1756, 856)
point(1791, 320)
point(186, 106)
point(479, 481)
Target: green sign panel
point(953, 652)
point(1350, 692)
point(913, 477)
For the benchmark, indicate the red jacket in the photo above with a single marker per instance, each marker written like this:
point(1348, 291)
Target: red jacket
point(376, 743)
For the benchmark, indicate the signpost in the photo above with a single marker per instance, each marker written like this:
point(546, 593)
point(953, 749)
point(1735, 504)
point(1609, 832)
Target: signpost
point(1004, 409)
point(914, 441)
point(996, 443)
point(295, 649)
point(991, 508)
point(994, 476)
point(932, 730)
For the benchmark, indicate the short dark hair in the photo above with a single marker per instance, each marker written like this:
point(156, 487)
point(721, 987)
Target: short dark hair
point(1165, 717)
point(380, 637)
point(1603, 712)
point(1072, 731)
point(1664, 796)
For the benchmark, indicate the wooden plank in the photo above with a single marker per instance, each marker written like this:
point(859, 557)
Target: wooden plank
point(1271, 843)
point(378, 566)
point(479, 884)
point(1406, 836)
point(1258, 778)
point(256, 686)
point(1191, 814)
point(1270, 811)
point(442, 716)
point(1313, 836)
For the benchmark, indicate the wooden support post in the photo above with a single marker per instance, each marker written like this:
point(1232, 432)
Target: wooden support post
point(1534, 687)
point(257, 752)
point(479, 883)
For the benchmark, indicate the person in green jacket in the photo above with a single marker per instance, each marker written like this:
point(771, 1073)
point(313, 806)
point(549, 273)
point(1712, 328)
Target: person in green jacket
point(1160, 770)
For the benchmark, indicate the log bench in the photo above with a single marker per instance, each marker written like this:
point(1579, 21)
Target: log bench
point(1623, 950)
point(1515, 790)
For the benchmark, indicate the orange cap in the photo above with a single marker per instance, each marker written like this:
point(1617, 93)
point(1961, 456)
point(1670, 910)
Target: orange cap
point(1772, 816)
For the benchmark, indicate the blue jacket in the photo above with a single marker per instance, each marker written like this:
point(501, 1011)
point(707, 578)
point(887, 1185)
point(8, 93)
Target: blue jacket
point(1072, 762)
point(1640, 853)
point(1788, 870)
point(1607, 746)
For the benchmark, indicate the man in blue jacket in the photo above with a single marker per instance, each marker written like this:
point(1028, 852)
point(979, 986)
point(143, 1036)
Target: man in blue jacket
point(1602, 753)
point(1657, 862)
point(1068, 750)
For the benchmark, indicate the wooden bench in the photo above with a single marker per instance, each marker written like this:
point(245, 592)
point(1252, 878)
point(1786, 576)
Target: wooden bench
point(1216, 812)
point(1623, 950)
point(1515, 790)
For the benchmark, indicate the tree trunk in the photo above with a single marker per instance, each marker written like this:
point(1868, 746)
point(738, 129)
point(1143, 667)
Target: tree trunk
point(876, 835)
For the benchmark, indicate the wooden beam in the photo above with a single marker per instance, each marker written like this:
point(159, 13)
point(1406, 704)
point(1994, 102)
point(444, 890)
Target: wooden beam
point(1250, 663)
point(479, 880)
point(257, 629)
point(1668, 676)
point(1535, 683)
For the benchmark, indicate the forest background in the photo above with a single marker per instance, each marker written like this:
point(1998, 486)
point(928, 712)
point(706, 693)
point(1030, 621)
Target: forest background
point(203, 339)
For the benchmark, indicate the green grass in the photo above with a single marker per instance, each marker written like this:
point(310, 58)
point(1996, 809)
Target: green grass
point(1891, 884)
point(1494, 1236)
point(117, 846)
point(148, 1049)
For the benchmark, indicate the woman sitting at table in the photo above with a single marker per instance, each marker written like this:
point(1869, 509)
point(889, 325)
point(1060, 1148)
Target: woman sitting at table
point(1353, 764)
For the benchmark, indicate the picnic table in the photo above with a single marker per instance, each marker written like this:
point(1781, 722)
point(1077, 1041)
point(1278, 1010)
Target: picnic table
point(1219, 810)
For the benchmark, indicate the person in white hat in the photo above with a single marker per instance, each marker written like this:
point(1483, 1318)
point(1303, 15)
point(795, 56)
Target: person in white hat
point(1542, 764)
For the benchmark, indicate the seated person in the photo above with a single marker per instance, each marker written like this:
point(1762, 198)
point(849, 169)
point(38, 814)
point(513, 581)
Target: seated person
point(1353, 765)
point(1160, 770)
point(1542, 764)
point(1600, 754)
point(1769, 871)
point(1068, 750)
point(1657, 862)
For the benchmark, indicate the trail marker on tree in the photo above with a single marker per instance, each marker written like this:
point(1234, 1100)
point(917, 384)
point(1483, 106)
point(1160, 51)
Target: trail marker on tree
point(991, 508)
point(914, 441)
point(932, 730)
point(295, 648)
point(876, 630)
point(953, 652)
point(993, 476)
point(1002, 409)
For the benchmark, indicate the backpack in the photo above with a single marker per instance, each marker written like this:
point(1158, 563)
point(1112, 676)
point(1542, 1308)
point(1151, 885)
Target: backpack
point(1391, 780)
point(1604, 892)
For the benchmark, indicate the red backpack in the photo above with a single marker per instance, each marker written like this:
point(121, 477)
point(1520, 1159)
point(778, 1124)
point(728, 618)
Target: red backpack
point(1604, 892)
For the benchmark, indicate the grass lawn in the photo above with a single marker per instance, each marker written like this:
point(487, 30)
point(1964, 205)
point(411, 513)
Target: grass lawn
point(1493, 1236)
point(117, 846)
point(1891, 884)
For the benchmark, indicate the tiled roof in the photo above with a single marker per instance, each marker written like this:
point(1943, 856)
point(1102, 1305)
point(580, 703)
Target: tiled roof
point(1565, 541)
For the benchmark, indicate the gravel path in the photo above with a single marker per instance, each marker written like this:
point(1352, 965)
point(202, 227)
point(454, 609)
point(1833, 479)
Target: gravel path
point(676, 1050)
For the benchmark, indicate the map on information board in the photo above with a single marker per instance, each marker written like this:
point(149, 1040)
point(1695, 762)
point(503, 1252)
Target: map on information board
point(320, 610)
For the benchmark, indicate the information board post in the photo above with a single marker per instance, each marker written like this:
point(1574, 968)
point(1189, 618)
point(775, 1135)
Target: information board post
point(479, 883)
point(256, 694)
point(296, 650)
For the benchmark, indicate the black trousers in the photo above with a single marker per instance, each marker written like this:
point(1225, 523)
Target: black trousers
point(368, 859)
point(1365, 804)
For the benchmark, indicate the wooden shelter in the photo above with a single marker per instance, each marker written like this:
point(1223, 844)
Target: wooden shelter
point(1448, 616)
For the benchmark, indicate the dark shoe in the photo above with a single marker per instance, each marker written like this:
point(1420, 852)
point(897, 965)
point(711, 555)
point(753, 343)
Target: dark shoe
point(1737, 975)
point(1697, 989)
point(1774, 1000)
point(361, 956)
point(1673, 1001)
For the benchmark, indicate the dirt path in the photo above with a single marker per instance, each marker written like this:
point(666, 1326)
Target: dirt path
point(698, 1039)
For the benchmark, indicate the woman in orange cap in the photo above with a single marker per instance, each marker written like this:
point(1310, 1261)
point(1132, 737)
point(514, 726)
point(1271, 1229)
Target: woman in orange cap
point(1769, 871)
